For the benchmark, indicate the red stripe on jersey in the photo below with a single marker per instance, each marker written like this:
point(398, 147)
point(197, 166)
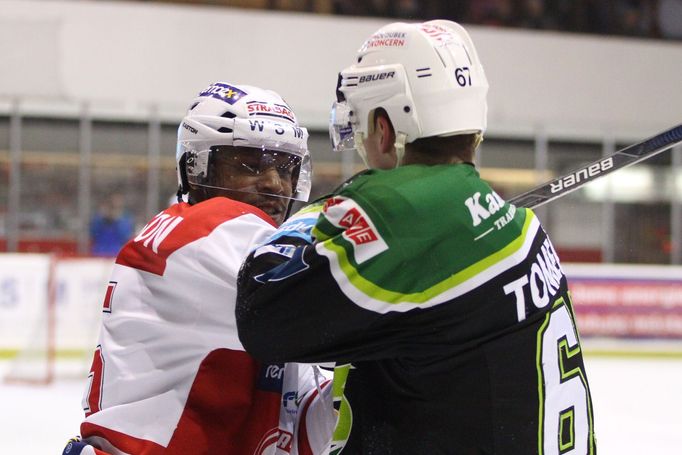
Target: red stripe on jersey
point(94, 397)
point(225, 413)
point(303, 443)
point(177, 226)
point(106, 307)
point(124, 442)
point(268, 441)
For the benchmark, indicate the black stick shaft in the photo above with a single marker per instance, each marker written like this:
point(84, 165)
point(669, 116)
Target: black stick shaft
point(565, 184)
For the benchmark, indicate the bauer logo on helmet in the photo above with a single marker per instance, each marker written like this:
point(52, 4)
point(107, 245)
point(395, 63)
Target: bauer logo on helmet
point(376, 77)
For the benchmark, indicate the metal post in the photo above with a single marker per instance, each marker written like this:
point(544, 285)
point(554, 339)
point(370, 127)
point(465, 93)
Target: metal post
point(608, 240)
point(13, 204)
point(84, 178)
point(153, 161)
point(676, 207)
point(541, 159)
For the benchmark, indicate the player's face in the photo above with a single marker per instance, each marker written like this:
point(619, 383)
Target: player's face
point(264, 179)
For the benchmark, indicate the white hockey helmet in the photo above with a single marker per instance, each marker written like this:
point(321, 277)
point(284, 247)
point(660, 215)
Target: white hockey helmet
point(427, 77)
point(241, 116)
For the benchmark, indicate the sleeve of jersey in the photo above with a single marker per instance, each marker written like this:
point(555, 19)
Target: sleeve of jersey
point(295, 298)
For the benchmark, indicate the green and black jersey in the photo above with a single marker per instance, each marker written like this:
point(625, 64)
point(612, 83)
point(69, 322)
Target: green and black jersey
point(448, 305)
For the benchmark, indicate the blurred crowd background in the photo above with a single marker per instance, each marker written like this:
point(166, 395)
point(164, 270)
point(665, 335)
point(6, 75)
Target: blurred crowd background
point(639, 18)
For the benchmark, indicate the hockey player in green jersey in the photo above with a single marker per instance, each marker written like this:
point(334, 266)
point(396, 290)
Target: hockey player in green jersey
point(445, 308)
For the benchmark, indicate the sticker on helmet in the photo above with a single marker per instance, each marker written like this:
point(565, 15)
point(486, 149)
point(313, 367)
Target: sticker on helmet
point(439, 36)
point(385, 39)
point(224, 92)
point(261, 108)
point(189, 128)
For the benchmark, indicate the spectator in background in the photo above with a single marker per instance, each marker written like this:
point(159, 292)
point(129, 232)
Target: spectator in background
point(670, 18)
point(572, 15)
point(534, 14)
point(634, 18)
point(360, 7)
point(454, 10)
point(406, 9)
point(491, 12)
point(111, 227)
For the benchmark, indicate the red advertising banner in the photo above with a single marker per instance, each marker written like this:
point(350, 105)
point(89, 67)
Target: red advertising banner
point(627, 301)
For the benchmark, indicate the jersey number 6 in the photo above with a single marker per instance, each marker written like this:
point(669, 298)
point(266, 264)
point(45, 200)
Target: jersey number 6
point(565, 405)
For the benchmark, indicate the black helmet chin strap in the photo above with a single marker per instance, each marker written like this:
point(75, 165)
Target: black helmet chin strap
point(184, 188)
point(288, 211)
point(294, 183)
point(184, 182)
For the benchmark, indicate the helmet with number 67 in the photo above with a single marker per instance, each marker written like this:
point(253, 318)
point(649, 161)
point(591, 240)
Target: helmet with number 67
point(427, 77)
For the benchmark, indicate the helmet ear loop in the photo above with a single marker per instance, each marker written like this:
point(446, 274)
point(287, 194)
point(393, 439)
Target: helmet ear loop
point(478, 140)
point(399, 145)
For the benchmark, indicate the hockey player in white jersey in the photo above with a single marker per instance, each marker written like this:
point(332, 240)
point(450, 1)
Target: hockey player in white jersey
point(169, 375)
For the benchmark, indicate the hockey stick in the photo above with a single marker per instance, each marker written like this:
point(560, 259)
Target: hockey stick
point(565, 184)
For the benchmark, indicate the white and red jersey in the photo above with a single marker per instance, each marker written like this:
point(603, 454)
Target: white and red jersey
point(169, 375)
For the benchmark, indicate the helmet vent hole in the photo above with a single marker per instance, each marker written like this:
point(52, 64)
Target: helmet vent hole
point(225, 130)
point(406, 109)
point(229, 114)
point(359, 59)
point(193, 106)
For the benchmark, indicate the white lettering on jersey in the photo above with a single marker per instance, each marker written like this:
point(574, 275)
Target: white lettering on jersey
point(478, 212)
point(157, 230)
point(274, 372)
point(544, 278)
point(504, 220)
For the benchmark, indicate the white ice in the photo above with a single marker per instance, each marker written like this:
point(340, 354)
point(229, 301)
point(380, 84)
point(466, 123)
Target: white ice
point(637, 409)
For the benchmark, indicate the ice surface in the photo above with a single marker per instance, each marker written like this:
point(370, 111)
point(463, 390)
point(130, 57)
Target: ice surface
point(637, 404)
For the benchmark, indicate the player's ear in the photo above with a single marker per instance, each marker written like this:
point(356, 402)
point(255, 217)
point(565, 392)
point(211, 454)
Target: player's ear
point(387, 133)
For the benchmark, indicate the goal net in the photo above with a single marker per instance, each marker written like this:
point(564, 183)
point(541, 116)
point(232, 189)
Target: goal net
point(50, 310)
